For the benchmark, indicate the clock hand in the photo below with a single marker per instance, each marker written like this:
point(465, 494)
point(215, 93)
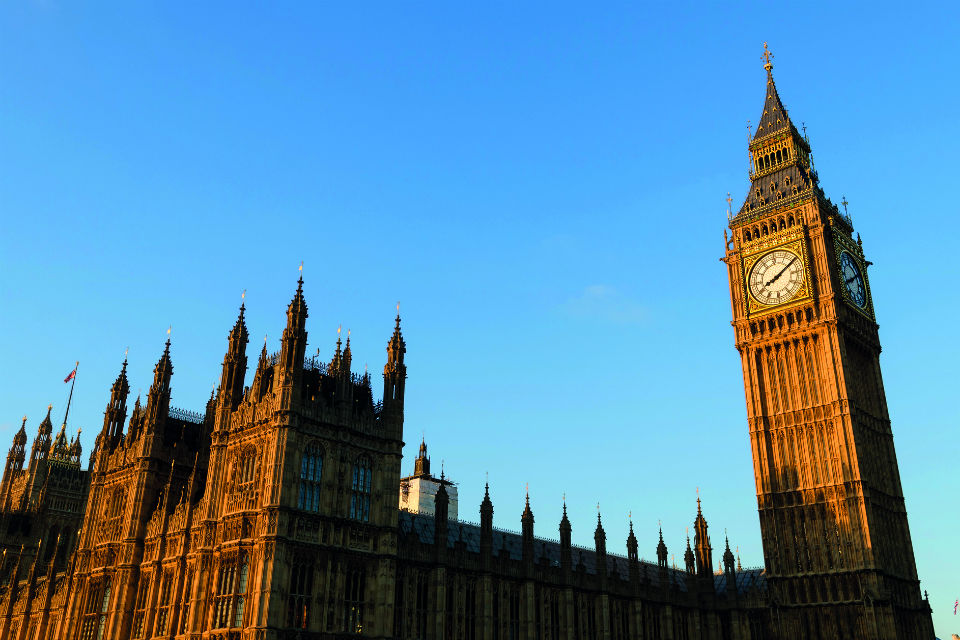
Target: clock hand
point(782, 271)
point(849, 280)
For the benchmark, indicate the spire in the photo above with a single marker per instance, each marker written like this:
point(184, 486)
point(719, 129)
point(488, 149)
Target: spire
point(258, 387)
point(781, 171)
point(158, 398)
point(396, 349)
point(297, 309)
point(394, 375)
point(116, 411)
point(234, 369)
point(41, 443)
point(661, 551)
point(486, 522)
point(688, 557)
point(293, 345)
point(336, 365)
point(728, 561)
point(441, 515)
point(347, 355)
point(421, 466)
point(774, 117)
point(599, 535)
point(704, 553)
point(60, 448)
point(632, 545)
point(16, 455)
point(526, 529)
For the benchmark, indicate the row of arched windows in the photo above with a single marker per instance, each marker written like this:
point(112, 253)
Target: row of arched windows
point(311, 471)
point(246, 482)
point(771, 226)
point(772, 159)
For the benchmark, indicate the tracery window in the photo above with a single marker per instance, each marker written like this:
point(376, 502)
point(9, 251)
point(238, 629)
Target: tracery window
point(231, 592)
point(95, 612)
point(163, 613)
point(353, 600)
point(113, 514)
point(311, 465)
point(185, 602)
point(298, 603)
point(360, 496)
point(140, 606)
point(422, 609)
point(245, 479)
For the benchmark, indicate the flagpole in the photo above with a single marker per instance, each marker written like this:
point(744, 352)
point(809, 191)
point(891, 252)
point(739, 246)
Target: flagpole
point(71, 393)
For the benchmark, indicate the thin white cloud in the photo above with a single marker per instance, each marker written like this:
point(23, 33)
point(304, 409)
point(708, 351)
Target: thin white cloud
point(605, 303)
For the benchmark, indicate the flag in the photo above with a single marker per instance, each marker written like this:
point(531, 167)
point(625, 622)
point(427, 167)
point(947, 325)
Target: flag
point(70, 375)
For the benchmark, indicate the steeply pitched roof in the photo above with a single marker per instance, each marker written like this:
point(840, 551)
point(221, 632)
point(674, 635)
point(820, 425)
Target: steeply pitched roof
point(774, 117)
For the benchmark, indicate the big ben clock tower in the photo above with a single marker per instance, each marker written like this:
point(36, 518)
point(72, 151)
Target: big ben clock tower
point(837, 548)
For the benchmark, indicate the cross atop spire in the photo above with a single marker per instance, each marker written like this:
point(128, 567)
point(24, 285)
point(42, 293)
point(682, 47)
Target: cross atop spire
point(767, 57)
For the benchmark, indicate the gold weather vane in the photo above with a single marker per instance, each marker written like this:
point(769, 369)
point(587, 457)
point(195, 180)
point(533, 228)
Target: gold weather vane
point(169, 329)
point(844, 203)
point(301, 267)
point(767, 57)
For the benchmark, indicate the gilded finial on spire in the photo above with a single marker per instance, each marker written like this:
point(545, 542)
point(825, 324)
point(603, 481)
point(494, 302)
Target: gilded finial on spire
point(729, 204)
point(169, 329)
point(767, 57)
point(844, 203)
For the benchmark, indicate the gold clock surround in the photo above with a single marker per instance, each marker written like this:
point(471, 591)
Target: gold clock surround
point(795, 245)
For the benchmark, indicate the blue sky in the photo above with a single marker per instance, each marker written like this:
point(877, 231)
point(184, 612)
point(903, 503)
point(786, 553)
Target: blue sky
point(542, 187)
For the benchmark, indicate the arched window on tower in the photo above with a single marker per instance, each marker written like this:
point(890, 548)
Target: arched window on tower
point(245, 479)
point(311, 465)
point(231, 585)
point(360, 490)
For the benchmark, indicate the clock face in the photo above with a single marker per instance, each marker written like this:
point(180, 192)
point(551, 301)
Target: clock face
point(852, 279)
point(776, 277)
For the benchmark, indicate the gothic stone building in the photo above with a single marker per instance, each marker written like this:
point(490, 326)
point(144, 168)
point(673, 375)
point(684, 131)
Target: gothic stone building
point(274, 513)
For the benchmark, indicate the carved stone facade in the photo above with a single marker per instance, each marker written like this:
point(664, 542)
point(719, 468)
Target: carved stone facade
point(837, 546)
point(274, 513)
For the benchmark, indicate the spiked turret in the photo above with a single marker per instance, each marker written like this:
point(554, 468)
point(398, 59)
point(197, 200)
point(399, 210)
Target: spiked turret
point(600, 542)
point(234, 364)
point(729, 568)
point(632, 545)
point(526, 529)
point(158, 398)
point(704, 552)
point(486, 521)
point(116, 411)
point(421, 466)
point(17, 453)
point(566, 557)
point(441, 514)
point(688, 559)
point(41, 443)
point(395, 372)
point(293, 345)
point(661, 552)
